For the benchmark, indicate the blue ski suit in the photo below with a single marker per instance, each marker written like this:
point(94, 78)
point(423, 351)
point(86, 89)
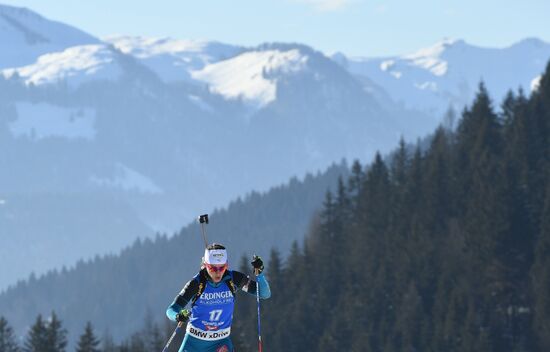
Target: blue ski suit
point(209, 326)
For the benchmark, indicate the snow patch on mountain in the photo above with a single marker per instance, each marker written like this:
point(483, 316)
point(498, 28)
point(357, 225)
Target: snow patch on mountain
point(75, 65)
point(251, 76)
point(43, 120)
point(431, 58)
point(387, 65)
point(127, 179)
point(173, 59)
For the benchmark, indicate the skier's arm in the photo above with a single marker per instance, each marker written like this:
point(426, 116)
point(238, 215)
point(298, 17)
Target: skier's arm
point(181, 300)
point(245, 283)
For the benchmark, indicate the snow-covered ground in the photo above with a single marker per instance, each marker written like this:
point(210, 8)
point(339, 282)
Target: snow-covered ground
point(43, 120)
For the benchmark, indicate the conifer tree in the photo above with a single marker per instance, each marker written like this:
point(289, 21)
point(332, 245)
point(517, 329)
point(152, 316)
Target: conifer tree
point(243, 323)
point(155, 338)
point(275, 267)
point(410, 319)
point(437, 185)
point(373, 212)
point(37, 339)
point(108, 345)
point(88, 341)
point(355, 181)
point(56, 335)
point(137, 343)
point(8, 342)
point(520, 163)
point(400, 164)
point(343, 204)
point(539, 140)
point(540, 275)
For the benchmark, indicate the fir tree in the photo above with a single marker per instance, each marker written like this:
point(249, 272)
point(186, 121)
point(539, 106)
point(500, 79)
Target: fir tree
point(37, 338)
point(355, 181)
point(243, 324)
point(56, 335)
point(540, 274)
point(137, 343)
point(400, 164)
point(155, 338)
point(108, 345)
point(8, 341)
point(88, 341)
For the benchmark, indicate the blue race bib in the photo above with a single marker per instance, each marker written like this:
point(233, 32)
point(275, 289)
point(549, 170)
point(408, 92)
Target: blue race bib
point(212, 313)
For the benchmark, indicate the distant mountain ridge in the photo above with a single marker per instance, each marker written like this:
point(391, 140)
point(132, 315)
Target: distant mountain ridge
point(447, 74)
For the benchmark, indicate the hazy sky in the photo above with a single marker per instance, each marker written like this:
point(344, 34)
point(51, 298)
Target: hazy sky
point(354, 27)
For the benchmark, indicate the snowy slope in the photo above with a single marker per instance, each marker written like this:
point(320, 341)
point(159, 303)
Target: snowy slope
point(75, 65)
point(448, 73)
point(172, 59)
point(25, 35)
point(251, 76)
point(42, 120)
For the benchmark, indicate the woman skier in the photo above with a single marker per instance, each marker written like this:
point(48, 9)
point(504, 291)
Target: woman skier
point(211, 295)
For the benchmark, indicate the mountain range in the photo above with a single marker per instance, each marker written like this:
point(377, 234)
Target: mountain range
point(447, 74)
point(104, 140)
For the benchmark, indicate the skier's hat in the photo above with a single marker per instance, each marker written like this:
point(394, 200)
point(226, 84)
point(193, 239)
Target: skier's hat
point(215, 254)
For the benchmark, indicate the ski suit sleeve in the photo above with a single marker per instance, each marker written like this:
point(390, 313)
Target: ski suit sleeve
point(248, 285)
point(187, 293)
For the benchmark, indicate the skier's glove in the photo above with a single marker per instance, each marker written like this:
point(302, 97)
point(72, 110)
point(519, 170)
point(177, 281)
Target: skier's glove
point(183, 316)
point(258, 264)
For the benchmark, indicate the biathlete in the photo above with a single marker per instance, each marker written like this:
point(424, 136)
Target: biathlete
point(211, 297)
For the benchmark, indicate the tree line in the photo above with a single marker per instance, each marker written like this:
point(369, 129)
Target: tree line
point(49, 335)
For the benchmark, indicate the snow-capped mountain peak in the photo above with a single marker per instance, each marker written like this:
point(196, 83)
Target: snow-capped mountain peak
point(173, 59)
point(436, 50)
point(251, 76)
point(25, 35)
point(431, 58)
point(75, 65)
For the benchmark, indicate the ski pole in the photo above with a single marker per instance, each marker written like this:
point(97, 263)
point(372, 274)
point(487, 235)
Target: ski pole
point(256, 271)
point(176, 331)
point(203, 219)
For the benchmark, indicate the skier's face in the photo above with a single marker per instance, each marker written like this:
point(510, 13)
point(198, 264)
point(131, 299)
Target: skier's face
point(216, 271)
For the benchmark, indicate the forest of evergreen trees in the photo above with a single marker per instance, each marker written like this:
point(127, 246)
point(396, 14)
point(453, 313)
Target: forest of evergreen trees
point(445, 248)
